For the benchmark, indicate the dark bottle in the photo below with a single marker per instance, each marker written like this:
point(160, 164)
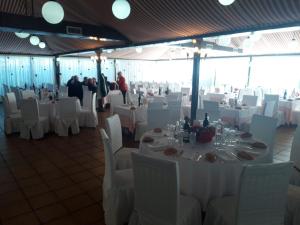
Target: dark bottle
point(284, 95)
point(205, 121)
point(139, 99)
point(186, 131)
point(159, 91)
point(33, 87)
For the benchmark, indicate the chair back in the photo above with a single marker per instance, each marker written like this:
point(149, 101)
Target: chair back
point(85, 88)
point(270, 98)
point(115, 100)
point(210, 105)
point(263, 129)
point(156, 185)
point(174, 97)
point(67, 109)
point(263, 194)
point(155, 105)
point(245, 91)
point(295, 152)
point(87, 100)
point(270, 108)
point(28, 94)
point(114, 130)
point(12, 102)
point(185, 91)
point(94, 99)
point(216, 97)
point(175, 111)
point(132, 98)
point(249, 100)
point(63, 91)
point(109, 161)
point(17, 92)
point(29, 110)
point(157, 118)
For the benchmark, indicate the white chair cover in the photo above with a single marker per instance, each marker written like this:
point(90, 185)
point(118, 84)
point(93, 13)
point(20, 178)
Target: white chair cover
point(185, 95)
point(63, 92)
point(115, 100)
point(28, 94)
point(122, 155)
point(17, 92)
point(295, 158)
point(12, 103)
point(117, 189)
point(12, 121)
point(175, 111)
point(261, 199)
point(277, 114)
point(155, 105)
point(249, 100)
point(213, 115)
point(85, 88)
point(32, 123)
point(292, 214)
point(88, 115)
point(270, 109)
point(264, 129)
point(295, 117)
point(87, 100)
point(174, 97)
point(157, 198)
point(245, 91)
point(67, 117)
point(210, 105)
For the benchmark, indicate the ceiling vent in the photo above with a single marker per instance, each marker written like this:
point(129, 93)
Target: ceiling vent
point(74, 30)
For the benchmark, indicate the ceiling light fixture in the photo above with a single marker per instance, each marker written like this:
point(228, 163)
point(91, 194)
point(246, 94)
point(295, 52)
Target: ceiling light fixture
point(34, 40)
point(42, 45)
point(121, 9)
point(139, 49)
point(22, 35)
point(226, 2)
point(53, 12)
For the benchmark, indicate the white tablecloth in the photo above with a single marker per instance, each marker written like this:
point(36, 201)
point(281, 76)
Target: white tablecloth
point(202, 179)
point(129, 117)
point(287, 108)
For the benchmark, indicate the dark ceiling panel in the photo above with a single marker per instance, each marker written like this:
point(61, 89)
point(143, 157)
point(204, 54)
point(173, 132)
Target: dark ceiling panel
point(163, 19)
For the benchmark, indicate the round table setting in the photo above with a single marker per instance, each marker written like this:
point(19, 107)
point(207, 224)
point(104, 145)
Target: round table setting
point(206, 170)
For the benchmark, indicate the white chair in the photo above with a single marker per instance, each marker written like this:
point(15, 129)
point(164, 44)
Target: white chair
point(67, 117)
point(122, 154)
point(85, 88)
point(249, 100)
point(185, 95)
point(28, 94)
point(292, 213)
point(260, 200)
point(156, 118)
point(174, 108)
point(157, 194)
point(117, 188)
point(63, 92)
point(18, 95)
point(12, 117)
point(263, 129)
point(174, 97)
point(277, 114)
point(295, 158)
point(210, 105)
point(88, 115)
point(132, 98)
point(213, 115)
point(245, 91)
point(31, 122)
point(295, 115)
point(270, 109)
point(155, 105)
point(115, 100)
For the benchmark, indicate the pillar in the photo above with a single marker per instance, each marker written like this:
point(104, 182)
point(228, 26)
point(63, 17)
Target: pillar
point(57, 71)
point(195, 85)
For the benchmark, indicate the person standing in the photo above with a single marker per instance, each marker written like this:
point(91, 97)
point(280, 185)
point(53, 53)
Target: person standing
point(122, 85)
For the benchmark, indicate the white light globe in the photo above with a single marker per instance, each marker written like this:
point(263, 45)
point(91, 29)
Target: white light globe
point(226, 2)
point(42, 45)
point(53, 12)
point(139, 50)
point(34, 40)
point(121, 9)
point(22, 35)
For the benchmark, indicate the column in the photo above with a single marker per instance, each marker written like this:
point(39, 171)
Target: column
point(57, 71)
point(195, 85)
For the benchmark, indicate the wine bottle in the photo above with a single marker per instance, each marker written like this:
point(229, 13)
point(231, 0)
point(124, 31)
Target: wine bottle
point(206, 121)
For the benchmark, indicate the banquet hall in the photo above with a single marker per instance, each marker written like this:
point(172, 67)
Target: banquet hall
point(126, 112)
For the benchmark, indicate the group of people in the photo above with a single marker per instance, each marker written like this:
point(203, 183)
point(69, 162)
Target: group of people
point(75, 87)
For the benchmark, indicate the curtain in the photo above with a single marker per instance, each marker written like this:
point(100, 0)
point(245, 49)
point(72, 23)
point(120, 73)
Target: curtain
point(42, 70)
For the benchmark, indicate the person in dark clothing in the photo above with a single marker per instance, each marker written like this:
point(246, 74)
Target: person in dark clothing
point(75, 88)
point(85, 81)
point(92, 87)
point(70, 85)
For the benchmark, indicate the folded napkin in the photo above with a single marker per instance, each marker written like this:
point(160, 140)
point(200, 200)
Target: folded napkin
point(210, 157)
point(170, 151)
point(157, 130)
point(244, 155)
point(148, 139)
point(246, 135)
point(258, 145)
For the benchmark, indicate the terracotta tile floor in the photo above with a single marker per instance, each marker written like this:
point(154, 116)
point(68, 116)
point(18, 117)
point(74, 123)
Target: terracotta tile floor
point(58, 180)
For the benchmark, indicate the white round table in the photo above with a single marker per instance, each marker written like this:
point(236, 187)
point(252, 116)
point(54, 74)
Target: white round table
point(198, 177)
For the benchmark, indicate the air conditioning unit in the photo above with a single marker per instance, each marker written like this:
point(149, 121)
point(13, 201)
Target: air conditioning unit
point(74, 30)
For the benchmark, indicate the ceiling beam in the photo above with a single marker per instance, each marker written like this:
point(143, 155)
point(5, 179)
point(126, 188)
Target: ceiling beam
point(37, 25)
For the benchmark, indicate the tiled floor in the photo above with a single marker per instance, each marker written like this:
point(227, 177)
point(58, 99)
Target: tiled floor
point(58, 180)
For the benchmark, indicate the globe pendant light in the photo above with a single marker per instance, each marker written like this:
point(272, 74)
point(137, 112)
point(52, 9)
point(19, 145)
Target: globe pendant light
point(42, 45)
point(53, 12)
point(121, 9)
point(22, 35)
point(34, 40)
point(226, 2)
